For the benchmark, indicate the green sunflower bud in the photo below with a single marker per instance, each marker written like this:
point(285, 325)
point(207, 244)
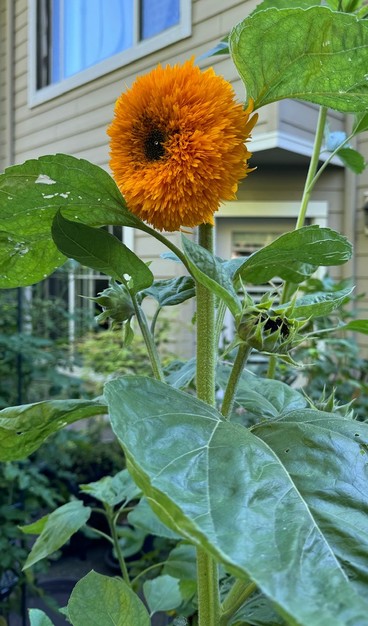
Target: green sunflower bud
point(267, 331)
point(116, 304)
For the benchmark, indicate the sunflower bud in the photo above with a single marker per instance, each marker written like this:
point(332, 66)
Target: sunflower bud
point(116, 303)
point(267, 331)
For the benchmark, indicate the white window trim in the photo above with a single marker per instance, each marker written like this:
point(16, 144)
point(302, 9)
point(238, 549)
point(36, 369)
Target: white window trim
point(139, 50)
point(317, 210)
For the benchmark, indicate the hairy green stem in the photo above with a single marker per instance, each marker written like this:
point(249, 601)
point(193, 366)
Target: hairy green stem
point(271, 371)
point(148, 339)
point(236, 597)
point(221, 310)
point(207, 570)
point(232, 384)
point(206, 348)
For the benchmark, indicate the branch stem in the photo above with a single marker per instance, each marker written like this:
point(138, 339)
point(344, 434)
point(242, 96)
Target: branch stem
point(236, 597)
point(232, 384)
point(149, 341)
point(117, 547)
point(313, 165)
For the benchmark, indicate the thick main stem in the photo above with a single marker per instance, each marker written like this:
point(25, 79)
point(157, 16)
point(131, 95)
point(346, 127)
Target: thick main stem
point(207, 570)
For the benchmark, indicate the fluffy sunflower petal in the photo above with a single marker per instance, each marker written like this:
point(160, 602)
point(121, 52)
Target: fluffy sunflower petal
point(177, 145)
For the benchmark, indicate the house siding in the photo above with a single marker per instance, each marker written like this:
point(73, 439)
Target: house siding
point(3, 86)
point(76, 121)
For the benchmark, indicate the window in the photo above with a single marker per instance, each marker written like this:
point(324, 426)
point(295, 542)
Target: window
point(75, 41)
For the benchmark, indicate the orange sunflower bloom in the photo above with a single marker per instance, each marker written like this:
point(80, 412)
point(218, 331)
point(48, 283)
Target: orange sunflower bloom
point(177, 145)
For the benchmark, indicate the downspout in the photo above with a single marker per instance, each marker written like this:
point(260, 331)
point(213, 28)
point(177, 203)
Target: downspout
point(349, 270)
point(9, 77)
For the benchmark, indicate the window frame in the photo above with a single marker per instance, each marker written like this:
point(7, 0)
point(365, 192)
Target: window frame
point(140, 49)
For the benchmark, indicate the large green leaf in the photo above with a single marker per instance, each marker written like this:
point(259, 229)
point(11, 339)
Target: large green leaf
point(30, 196)
point(294, 256)
point(103, 252)
point(249, 514)
point(99, 600)
point(316, 304)
point(211, 273)
point(326, 456)
point(60, 526)
point(315, 54)
point(24, 428)
point(285, 4)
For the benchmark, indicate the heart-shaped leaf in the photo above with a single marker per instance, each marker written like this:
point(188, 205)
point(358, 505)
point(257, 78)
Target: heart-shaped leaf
point(294, 256)
point(249, 515)
point(99, 600)
point(30, 196)
point(316, 304)
point(311, 54)
point(326, 456)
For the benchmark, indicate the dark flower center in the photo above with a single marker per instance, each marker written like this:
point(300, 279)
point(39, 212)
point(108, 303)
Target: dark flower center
point(273, 324)
point(153, 144)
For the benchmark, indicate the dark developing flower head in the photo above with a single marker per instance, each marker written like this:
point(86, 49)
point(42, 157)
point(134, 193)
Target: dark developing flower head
point(267, 331)
point(116, 304)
